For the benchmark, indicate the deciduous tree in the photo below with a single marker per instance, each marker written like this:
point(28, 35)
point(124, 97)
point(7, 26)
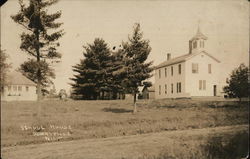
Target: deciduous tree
point(238, 83)
point(29, 69)
point(4, 66)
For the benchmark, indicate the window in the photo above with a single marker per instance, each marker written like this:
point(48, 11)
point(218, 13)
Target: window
point(172, 70)
point(27, 88)
point(9, 88)
point(179, 68)
point(172, 88)
point(194, 67)
point(159, 73)
point(159, 89)
point(178, 87)
point(165, 71)
point(209, 68)
point(15, 88)
point(194, 44)
point(166, 89)
point(19, 88)
point(202, 84)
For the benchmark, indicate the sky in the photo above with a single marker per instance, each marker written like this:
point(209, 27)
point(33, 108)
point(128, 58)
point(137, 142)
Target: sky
point(169, 25)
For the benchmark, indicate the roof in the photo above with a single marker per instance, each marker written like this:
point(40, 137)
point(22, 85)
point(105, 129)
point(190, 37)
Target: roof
point(199, 35)
point(182, 59)
point(152, 88)
point(140, 88)
point(16, 78)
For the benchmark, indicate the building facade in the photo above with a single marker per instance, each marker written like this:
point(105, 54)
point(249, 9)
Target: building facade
point(18, 88)
point(191, 75)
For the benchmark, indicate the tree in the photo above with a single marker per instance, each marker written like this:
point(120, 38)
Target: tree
point(29, 69)
point(39, 42)
point(239, 83)
point(4, 66)
point(119, 73)
point(94, 73)
point(136, 54)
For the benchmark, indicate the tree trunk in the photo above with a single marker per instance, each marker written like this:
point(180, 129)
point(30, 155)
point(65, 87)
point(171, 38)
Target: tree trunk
point(102, 95)
point(135, 110)
point(39, 89)
point(39, 83)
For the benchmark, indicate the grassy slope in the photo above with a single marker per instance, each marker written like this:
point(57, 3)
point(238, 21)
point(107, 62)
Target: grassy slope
point(101, 119)
point(181, 144)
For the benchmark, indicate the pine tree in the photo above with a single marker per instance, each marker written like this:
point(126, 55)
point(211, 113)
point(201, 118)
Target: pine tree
point(38, 41)
point(119, 73)
point(136, 53)
point(94, 73)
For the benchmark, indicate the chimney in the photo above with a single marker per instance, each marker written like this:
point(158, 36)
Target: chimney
point(168, 56)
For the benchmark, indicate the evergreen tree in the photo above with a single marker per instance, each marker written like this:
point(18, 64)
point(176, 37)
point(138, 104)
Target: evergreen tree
point(239, 83)
point(39, 42)
point(136, 53)
point(94, 73)
point(119, 73)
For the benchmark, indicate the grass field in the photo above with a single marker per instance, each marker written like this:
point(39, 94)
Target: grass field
point(101, 119)
point(224, 142)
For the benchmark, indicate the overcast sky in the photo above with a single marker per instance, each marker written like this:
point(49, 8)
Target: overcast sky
point(169, 25)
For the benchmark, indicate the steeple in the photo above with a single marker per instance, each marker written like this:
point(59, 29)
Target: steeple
point(197, 43)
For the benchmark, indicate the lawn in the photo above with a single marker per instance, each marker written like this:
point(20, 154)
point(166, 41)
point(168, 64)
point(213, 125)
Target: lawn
point(21, 124)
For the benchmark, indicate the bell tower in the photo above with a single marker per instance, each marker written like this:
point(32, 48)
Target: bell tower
point(197, 43)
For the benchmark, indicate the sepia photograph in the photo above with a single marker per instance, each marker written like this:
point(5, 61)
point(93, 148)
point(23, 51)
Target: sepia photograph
point(124, 79)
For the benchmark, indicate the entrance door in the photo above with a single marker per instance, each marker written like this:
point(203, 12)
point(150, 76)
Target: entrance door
point(215, 90)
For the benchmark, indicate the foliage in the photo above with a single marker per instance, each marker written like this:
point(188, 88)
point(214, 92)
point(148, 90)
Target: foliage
point(105, 73)
point(136, 53)
point(38, 41)
point(239, 83)
point(229, 147)
point(62, 94)
point(119, 73)
point(94, 73)
point(30, 67)
point(4, 66)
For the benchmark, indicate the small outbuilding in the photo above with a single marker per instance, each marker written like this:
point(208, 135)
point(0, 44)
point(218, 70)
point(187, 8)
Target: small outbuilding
point(148, 92)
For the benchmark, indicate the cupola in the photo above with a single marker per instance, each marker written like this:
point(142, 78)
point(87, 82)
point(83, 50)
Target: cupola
point(197, 43)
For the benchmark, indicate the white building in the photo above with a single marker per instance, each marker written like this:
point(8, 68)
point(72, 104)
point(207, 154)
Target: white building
point(191, 75)
point(18, 88)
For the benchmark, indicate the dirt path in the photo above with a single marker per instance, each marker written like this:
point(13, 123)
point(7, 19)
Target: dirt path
point(111, 148)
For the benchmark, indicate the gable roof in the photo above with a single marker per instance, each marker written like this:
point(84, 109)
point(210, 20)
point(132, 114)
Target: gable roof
point(182, 59)
point(16, 78)
point(150, 89)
